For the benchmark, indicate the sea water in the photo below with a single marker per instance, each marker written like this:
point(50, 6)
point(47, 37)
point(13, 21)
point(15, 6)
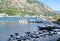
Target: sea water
point(8, 28)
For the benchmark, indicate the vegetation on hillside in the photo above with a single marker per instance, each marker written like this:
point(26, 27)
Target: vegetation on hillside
point(30, 7)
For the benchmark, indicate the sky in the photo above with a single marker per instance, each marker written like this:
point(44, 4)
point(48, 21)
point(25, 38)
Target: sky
point(54, 4)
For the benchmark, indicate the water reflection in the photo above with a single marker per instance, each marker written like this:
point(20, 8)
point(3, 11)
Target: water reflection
point(7, 28)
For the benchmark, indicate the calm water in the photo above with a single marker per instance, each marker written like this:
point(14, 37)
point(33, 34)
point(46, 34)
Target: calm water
point(19, 18)
point(7, 28)
point(11, 25)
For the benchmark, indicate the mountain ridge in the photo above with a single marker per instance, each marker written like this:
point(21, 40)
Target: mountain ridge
point(57, 11)
point(25, 7)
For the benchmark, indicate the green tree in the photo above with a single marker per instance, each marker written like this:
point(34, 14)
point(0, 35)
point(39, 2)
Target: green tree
point(58, 39)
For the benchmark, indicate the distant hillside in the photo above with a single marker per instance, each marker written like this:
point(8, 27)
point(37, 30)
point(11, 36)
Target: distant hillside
point(25, 7)
point(57, 11)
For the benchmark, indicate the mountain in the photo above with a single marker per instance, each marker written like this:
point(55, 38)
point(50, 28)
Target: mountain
point(25, 7)
point(57, 11)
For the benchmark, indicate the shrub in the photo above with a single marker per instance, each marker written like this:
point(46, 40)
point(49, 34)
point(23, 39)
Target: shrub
point(58, 39)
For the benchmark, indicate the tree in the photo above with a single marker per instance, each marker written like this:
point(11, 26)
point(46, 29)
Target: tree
point(58, 39)
point(58, 20)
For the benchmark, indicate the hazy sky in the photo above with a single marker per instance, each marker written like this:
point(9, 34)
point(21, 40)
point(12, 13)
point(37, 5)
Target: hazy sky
point(54, 4)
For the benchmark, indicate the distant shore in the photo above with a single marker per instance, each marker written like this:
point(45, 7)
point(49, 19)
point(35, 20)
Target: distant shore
point(20, 16)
